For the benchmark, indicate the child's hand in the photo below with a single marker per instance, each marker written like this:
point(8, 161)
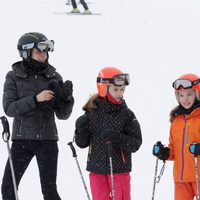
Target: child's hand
point(82, 124)
point(194, 148)
point(160, 151)
point(111, 135)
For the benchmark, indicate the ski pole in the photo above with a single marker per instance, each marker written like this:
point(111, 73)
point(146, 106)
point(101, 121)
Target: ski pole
point(155, 177)
point(79, 169)
point(109, 145)
point(6, 137)
point(196, 175)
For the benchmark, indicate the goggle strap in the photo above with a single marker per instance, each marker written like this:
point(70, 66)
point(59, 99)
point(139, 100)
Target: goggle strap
point(104, 80)
point(174, 85)
point(196, 82)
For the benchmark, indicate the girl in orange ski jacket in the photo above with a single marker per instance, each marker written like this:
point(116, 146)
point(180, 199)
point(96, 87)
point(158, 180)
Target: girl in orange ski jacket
point(184, 140)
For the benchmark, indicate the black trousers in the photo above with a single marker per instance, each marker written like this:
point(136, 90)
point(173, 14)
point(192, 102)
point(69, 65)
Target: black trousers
point(22, 152)
point(84, 4)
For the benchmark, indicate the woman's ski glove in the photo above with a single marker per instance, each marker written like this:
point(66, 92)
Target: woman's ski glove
point(194, 148)
point(56, 87)
point(63, 91)
point(68, 90)
point(82, 125)
point(113, 136)
point(160, 151)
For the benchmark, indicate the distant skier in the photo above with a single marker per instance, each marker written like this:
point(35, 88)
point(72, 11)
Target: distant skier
point(68, 2)
point(76, 10)
point(108, 120)
point(184, 140)
point(33, 93)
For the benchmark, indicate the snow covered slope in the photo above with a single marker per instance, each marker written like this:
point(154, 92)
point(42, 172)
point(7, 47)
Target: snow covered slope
point(154, 41)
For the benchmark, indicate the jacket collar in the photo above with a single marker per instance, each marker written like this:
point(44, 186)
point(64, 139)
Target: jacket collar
point(107, 106)
point(193, 114)
point(20, 71)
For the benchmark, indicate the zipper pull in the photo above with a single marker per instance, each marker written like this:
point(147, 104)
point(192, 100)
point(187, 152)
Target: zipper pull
point(122, 154)
point(187, 134)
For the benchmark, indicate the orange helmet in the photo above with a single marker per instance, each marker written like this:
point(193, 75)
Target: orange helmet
point(187, 81)
point(110, 76)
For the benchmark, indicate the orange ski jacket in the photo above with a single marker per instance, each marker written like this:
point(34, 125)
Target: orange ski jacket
point(185, 129)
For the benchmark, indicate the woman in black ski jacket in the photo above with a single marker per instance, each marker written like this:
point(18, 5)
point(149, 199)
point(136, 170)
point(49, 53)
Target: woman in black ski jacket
point(33, 93)
point(108, 120)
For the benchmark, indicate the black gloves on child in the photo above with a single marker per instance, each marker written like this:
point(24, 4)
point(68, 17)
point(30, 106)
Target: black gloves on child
point(194, 148)
point(160, 151)
point(110, 135)
point(82, 125)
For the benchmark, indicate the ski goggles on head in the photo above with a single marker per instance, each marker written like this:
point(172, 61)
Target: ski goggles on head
point(117, 80)
point(184, 83)
point(44, 46)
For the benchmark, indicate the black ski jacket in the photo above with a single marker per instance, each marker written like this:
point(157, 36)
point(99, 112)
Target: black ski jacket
point(30, 122)
point(110, 116)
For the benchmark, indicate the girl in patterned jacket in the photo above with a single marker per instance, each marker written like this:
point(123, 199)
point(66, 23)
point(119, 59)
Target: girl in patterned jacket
point(184, 140)
point(108, 119)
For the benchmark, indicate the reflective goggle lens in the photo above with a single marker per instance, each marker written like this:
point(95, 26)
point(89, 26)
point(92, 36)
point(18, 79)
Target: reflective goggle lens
point(186, 84)
point(44, 46)
point(118, 80)
point(122, 79)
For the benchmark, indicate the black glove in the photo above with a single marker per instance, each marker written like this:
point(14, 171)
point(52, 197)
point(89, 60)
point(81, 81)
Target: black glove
point(82, 125)
point(56, 87)
point(114, 136)
point(194, 148)
point(67, 90)
point(160, 151)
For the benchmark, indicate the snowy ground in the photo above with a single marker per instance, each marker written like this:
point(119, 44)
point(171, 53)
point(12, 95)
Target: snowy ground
point(154, 41)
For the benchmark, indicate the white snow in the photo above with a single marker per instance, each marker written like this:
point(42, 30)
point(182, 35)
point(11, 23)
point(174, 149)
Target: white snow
point(155, 41)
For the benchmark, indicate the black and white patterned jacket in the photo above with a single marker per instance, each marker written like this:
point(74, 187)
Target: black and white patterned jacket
point(110, 116)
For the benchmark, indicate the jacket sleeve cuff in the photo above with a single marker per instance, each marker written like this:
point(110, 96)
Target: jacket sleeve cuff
point(35, 100)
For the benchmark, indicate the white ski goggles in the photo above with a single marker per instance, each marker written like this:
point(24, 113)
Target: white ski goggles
point(184, 83)
point(118, 80)
point(44, 46)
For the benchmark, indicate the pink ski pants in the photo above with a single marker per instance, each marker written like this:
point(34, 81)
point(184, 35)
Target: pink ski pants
point(100, 185)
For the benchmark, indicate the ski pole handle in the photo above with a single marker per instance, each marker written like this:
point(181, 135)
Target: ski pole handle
point(6, 131)
point(109, 145)
point(73, 149)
